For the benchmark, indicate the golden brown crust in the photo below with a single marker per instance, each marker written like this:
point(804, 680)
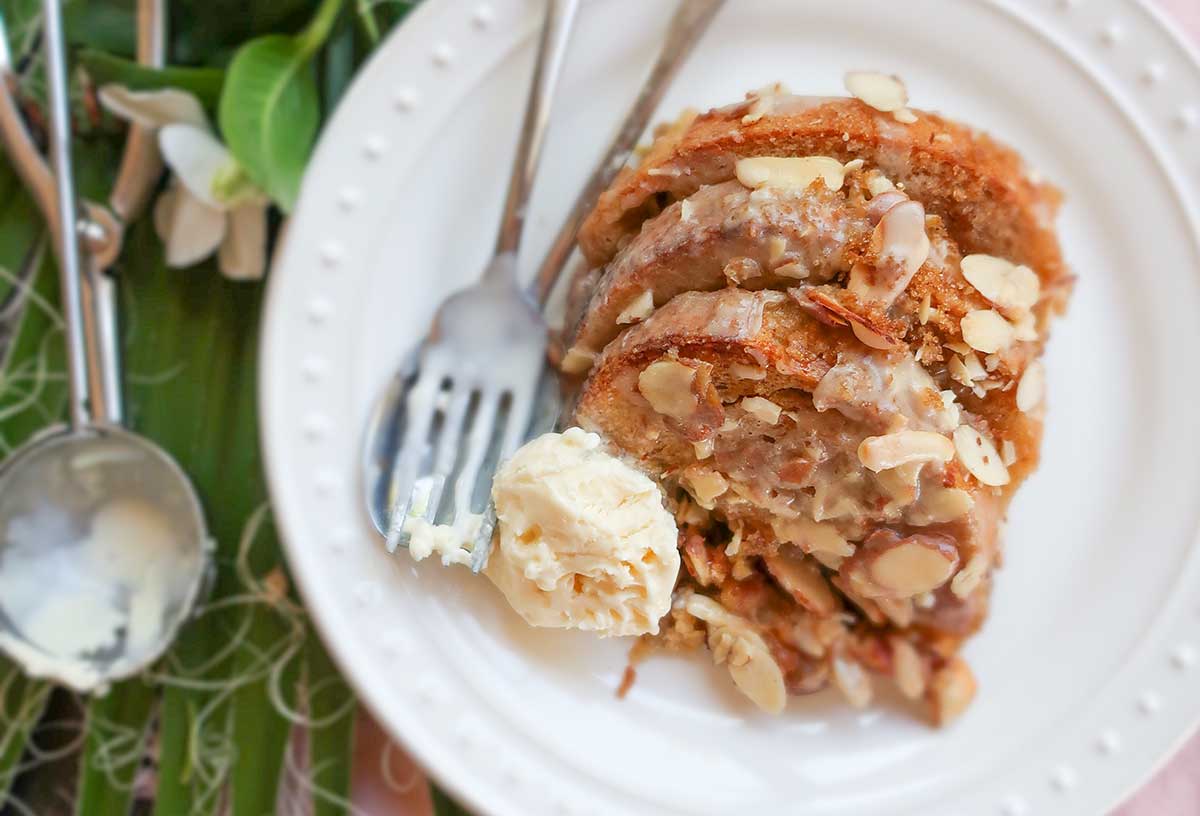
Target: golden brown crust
point(978, 186)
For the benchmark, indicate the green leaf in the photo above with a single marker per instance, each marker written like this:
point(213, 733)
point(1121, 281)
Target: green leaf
point(331, 707)
point(116, 729)
point(270, 108)
point(261, 731)
point(22, 702)
point(269, 113)
point(104, 68)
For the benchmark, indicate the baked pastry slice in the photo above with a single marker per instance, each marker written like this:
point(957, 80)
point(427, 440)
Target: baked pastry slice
point(818, 328)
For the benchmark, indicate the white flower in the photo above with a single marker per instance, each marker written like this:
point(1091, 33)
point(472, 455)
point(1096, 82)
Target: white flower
point(210, 205)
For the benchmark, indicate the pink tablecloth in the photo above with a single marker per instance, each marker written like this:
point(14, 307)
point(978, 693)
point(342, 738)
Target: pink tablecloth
point(387, 782)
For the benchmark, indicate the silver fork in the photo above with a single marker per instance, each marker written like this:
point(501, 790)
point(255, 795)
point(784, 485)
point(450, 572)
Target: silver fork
point(464, 400)
point(479, 368)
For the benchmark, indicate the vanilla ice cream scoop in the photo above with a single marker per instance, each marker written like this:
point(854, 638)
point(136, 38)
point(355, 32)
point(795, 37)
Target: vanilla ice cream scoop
point(585, 541)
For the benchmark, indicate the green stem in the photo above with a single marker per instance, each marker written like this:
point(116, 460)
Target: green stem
point(366, 15)
point(318, 29)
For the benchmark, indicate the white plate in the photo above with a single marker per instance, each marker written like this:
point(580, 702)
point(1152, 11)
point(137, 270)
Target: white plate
point(1088, 666)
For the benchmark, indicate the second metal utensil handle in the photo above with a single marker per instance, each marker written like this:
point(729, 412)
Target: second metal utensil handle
point(556, 32)
point(689, 23)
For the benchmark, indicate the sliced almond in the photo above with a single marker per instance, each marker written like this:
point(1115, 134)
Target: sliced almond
point(939, 505)
point(757, 675)
point(803, 579)
point(852, 681)
point(776, 247)
point(871, 338)
point(975, 369)
point(638, 309)
point(904, 116)
point(908, 669)
point(747, 372)
point(878, 183)
point(1032, 387)
point(703, 448)
point(925, 311)
point(790, 173)
point(986, 330)
point(687, 211)
point(667, 386)
point(762, 409)
point(979, 456)
point(895, 449)
point(1008, 452)
point(968, 578)
point(904, 567)
point(1025, 327)
point(902, 246)
point(705, 485)
point(792, 270)
point(899, 611)
point(958, 372)
point(740, 270)
point(853, 166)
point(881, 91)
point(951, 690)
point(578, 360)
point(813, 537)
point(1011, 287)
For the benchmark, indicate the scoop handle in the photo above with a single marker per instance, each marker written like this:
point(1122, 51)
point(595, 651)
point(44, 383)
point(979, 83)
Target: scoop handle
point(84, 341)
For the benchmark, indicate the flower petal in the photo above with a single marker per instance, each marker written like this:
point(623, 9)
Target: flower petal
point(153, 109)
point(197, 158)
point(190, 229)
point(243, 253)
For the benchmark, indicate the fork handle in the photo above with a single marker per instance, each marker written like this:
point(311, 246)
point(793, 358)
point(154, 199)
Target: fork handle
point(556, 32)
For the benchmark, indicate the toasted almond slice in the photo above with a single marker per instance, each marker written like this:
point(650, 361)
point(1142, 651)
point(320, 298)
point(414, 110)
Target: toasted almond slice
point(776, 247)
point(757, 675)
point(881, 91)
point(895, 449)
point(912, 566)
point(968, 578)
point(578, 360)
point(975, 369)
point(1011, 287)
point(940, 505)
point(813, 537)
point(747, 372)
point(1025, 327)
point(951, 690)
point(1008, 452)
point(1032, 387)
point(687, 211)
point(852, 681)
point(803, 579)
point(904, 116)
point(986, 330)
point(791, 173)
point(869, 333)
point(870, 337)
point(704, 484)
point(978, 454)
point(908, 670)
point(762, 409)
point(926, 310)
point(878, 184)
point(667, 386)
point(792, 270)
point(853, 166)
point(638, 309)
